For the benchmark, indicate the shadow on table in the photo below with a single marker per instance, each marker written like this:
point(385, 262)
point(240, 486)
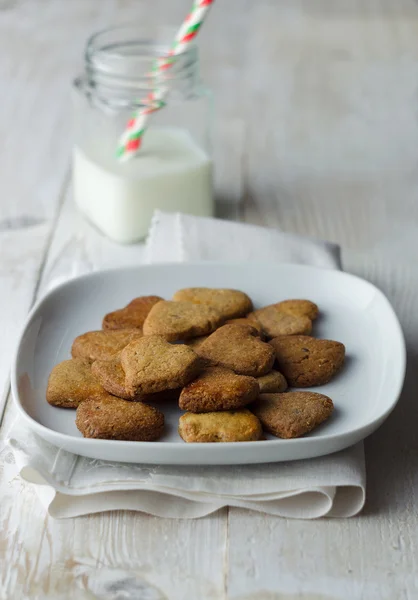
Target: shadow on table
point(227, 208)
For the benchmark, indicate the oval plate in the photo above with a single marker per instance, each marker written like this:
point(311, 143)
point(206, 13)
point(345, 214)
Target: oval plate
point(353, 311)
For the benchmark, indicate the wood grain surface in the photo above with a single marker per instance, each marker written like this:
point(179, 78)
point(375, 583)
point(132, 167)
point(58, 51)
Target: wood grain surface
point(316, 132)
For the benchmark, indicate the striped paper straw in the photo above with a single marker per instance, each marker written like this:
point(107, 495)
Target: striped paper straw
point(131, 139)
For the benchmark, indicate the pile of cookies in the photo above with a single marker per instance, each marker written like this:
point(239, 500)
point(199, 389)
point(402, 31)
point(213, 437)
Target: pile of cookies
point(227, 365)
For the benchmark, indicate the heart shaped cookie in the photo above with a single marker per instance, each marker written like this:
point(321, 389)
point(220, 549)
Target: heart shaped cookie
point(274, 322)
point(306, 361)
point(239, 349)
point(102, 345)
point(229, 303)
point(292, 414)
point(111, 376)
point(272, 382)
point(115, 419)
point(217, 388)
point(299, 308)
point(133, 315)
point(225, 426)
point(72, 382)
point(152, 365)
point(181, 320)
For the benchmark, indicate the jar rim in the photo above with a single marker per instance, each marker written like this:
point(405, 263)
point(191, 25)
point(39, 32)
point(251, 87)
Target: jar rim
point(120, 64)
point(132, 42)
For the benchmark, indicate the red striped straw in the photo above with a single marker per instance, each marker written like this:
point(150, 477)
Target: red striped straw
point(131, 139)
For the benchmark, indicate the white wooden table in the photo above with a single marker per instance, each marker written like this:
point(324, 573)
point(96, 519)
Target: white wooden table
point(317, 132)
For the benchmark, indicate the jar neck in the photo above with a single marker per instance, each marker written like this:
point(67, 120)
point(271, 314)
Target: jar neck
point(120, 68)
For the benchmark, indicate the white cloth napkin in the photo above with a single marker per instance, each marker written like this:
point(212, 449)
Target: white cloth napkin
point(70, 485)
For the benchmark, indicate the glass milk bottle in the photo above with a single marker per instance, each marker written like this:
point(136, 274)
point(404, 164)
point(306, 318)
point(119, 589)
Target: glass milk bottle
point(173, 168)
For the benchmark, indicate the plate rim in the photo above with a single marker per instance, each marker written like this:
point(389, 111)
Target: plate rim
point(373, 423)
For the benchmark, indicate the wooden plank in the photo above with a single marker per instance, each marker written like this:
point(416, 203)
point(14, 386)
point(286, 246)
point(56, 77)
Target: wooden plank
point(338, 125)
point(21, 255)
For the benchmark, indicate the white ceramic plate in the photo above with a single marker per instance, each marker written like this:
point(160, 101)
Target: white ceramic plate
point(353, 312)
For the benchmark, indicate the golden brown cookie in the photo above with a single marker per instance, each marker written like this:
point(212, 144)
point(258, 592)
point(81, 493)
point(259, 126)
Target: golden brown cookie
point(274, 322)
point(247, 323)
point(102, 345)
point(272, 382)
point(292, 414)
point(181, 320)
point(299, 308)
point(111, 376)
point(133, 315)
point(72, 382)
point(230, 304)
point(229, 426)
point(306, 361)
point(115, 419)
point(216, 389)
point(239, 349)
point(153, 365)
